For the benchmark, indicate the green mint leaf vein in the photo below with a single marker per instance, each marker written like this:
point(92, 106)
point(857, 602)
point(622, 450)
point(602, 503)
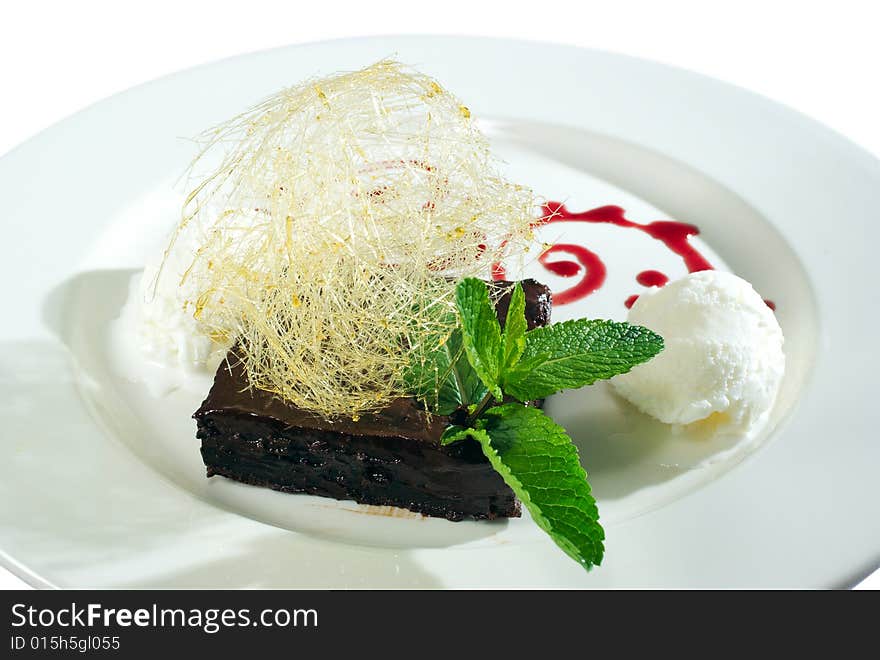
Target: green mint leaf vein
point(537, 459)
point(481, 332)
point(576, 353)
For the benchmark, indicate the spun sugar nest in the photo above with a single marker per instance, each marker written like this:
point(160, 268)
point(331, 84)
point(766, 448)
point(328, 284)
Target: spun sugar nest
point(331, 230)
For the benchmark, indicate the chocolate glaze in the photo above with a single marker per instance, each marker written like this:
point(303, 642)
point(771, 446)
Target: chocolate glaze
point(403, 418)
point(389, 457)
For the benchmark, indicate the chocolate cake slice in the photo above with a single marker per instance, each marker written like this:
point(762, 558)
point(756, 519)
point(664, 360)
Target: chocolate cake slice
point(390, 457)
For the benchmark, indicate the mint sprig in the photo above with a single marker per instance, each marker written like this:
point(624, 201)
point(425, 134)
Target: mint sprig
point(534, 455)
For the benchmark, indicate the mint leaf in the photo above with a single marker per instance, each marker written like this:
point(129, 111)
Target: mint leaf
point(454, 433)
point(577, 353)
point(537, 459)
point(481, 332)
point(513, 336)
point(461, 382)
point(444, 379)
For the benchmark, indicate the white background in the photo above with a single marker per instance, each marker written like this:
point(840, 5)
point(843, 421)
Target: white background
point(819, 57)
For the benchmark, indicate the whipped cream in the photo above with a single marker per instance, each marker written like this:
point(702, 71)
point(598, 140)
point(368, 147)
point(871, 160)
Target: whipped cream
point(158, 313)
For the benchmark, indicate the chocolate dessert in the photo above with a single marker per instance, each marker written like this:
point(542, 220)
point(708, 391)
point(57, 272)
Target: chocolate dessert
point(390, 457)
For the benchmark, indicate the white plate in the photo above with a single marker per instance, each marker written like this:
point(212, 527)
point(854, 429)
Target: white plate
point(101, 483)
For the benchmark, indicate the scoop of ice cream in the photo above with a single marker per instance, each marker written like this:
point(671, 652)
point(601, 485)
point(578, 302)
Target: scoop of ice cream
point(723, 352)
